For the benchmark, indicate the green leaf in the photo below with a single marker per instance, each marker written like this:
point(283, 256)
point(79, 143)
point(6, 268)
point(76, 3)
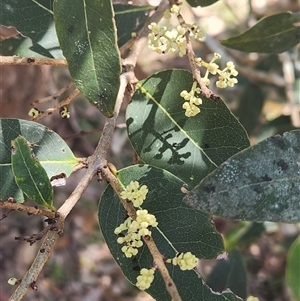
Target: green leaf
point(260, 183)
point(34, 19)
point(50, 149)
point(272, 34)
point(292, 269)
point(29, 174)
point(22, 46)
point(250, 107)
point(229, 273)
point(180, 229)
point(163, 136)
point(243, 233)
point(87, 36)
point(129, 19)
point(202, 3)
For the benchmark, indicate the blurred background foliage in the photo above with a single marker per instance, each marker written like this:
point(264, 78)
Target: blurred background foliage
point(266, 101)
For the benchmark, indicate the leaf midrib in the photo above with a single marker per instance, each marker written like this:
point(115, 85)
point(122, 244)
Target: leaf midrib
point(28, 171)
point(274, 181)
point(90, 43)
point(144, 91)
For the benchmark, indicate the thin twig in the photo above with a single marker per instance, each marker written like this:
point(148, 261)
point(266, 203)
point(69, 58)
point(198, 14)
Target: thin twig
point(53, 96)
point(28, 209)
point(33, 238)
point(195, 69)
point(117, 187)
point(81, 165)
point(16, 60)
point(36, 267)
point(160, 265)
point(191, 56)
point(57, 107)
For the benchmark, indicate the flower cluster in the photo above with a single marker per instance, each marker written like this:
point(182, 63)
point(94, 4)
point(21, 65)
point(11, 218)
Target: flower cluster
point(192, 102)
point(135, 230)
point(186, 261)
point(251, 298)
point(135, 193)
point(225, 78)
point(144, 280)
point(163, 39)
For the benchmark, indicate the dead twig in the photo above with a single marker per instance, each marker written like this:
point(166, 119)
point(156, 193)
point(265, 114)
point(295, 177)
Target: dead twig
point(53, 96)
point(29, 209)
point(57, 107)
point(16, 60)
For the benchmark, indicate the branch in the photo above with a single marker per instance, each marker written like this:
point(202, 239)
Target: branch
point(158, 258)
point(16, 60)
point(160, 264)
point(33, 238)
point(29, 209)
point(57, 107)
point(195, 69)
point(96, 160)
point(36, 267)
point(191, 56)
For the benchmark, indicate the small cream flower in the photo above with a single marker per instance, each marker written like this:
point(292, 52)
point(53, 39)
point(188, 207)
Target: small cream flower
point(167, 14)
point(145, 219)
point(225, 79)
point(145, 278)
point(163, 39)
point(221, 84)
point(186, 261)
point(129, 251)
point(213, 68)
point(231, 82)
point(135, 193)
point(192, 102)
point(190, 109)
point(175, 9)
point(134, 231)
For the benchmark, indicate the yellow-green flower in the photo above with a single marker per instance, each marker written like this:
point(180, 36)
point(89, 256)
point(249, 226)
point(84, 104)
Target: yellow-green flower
point(186, 261)
point(135, 193)
point(145, 278)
